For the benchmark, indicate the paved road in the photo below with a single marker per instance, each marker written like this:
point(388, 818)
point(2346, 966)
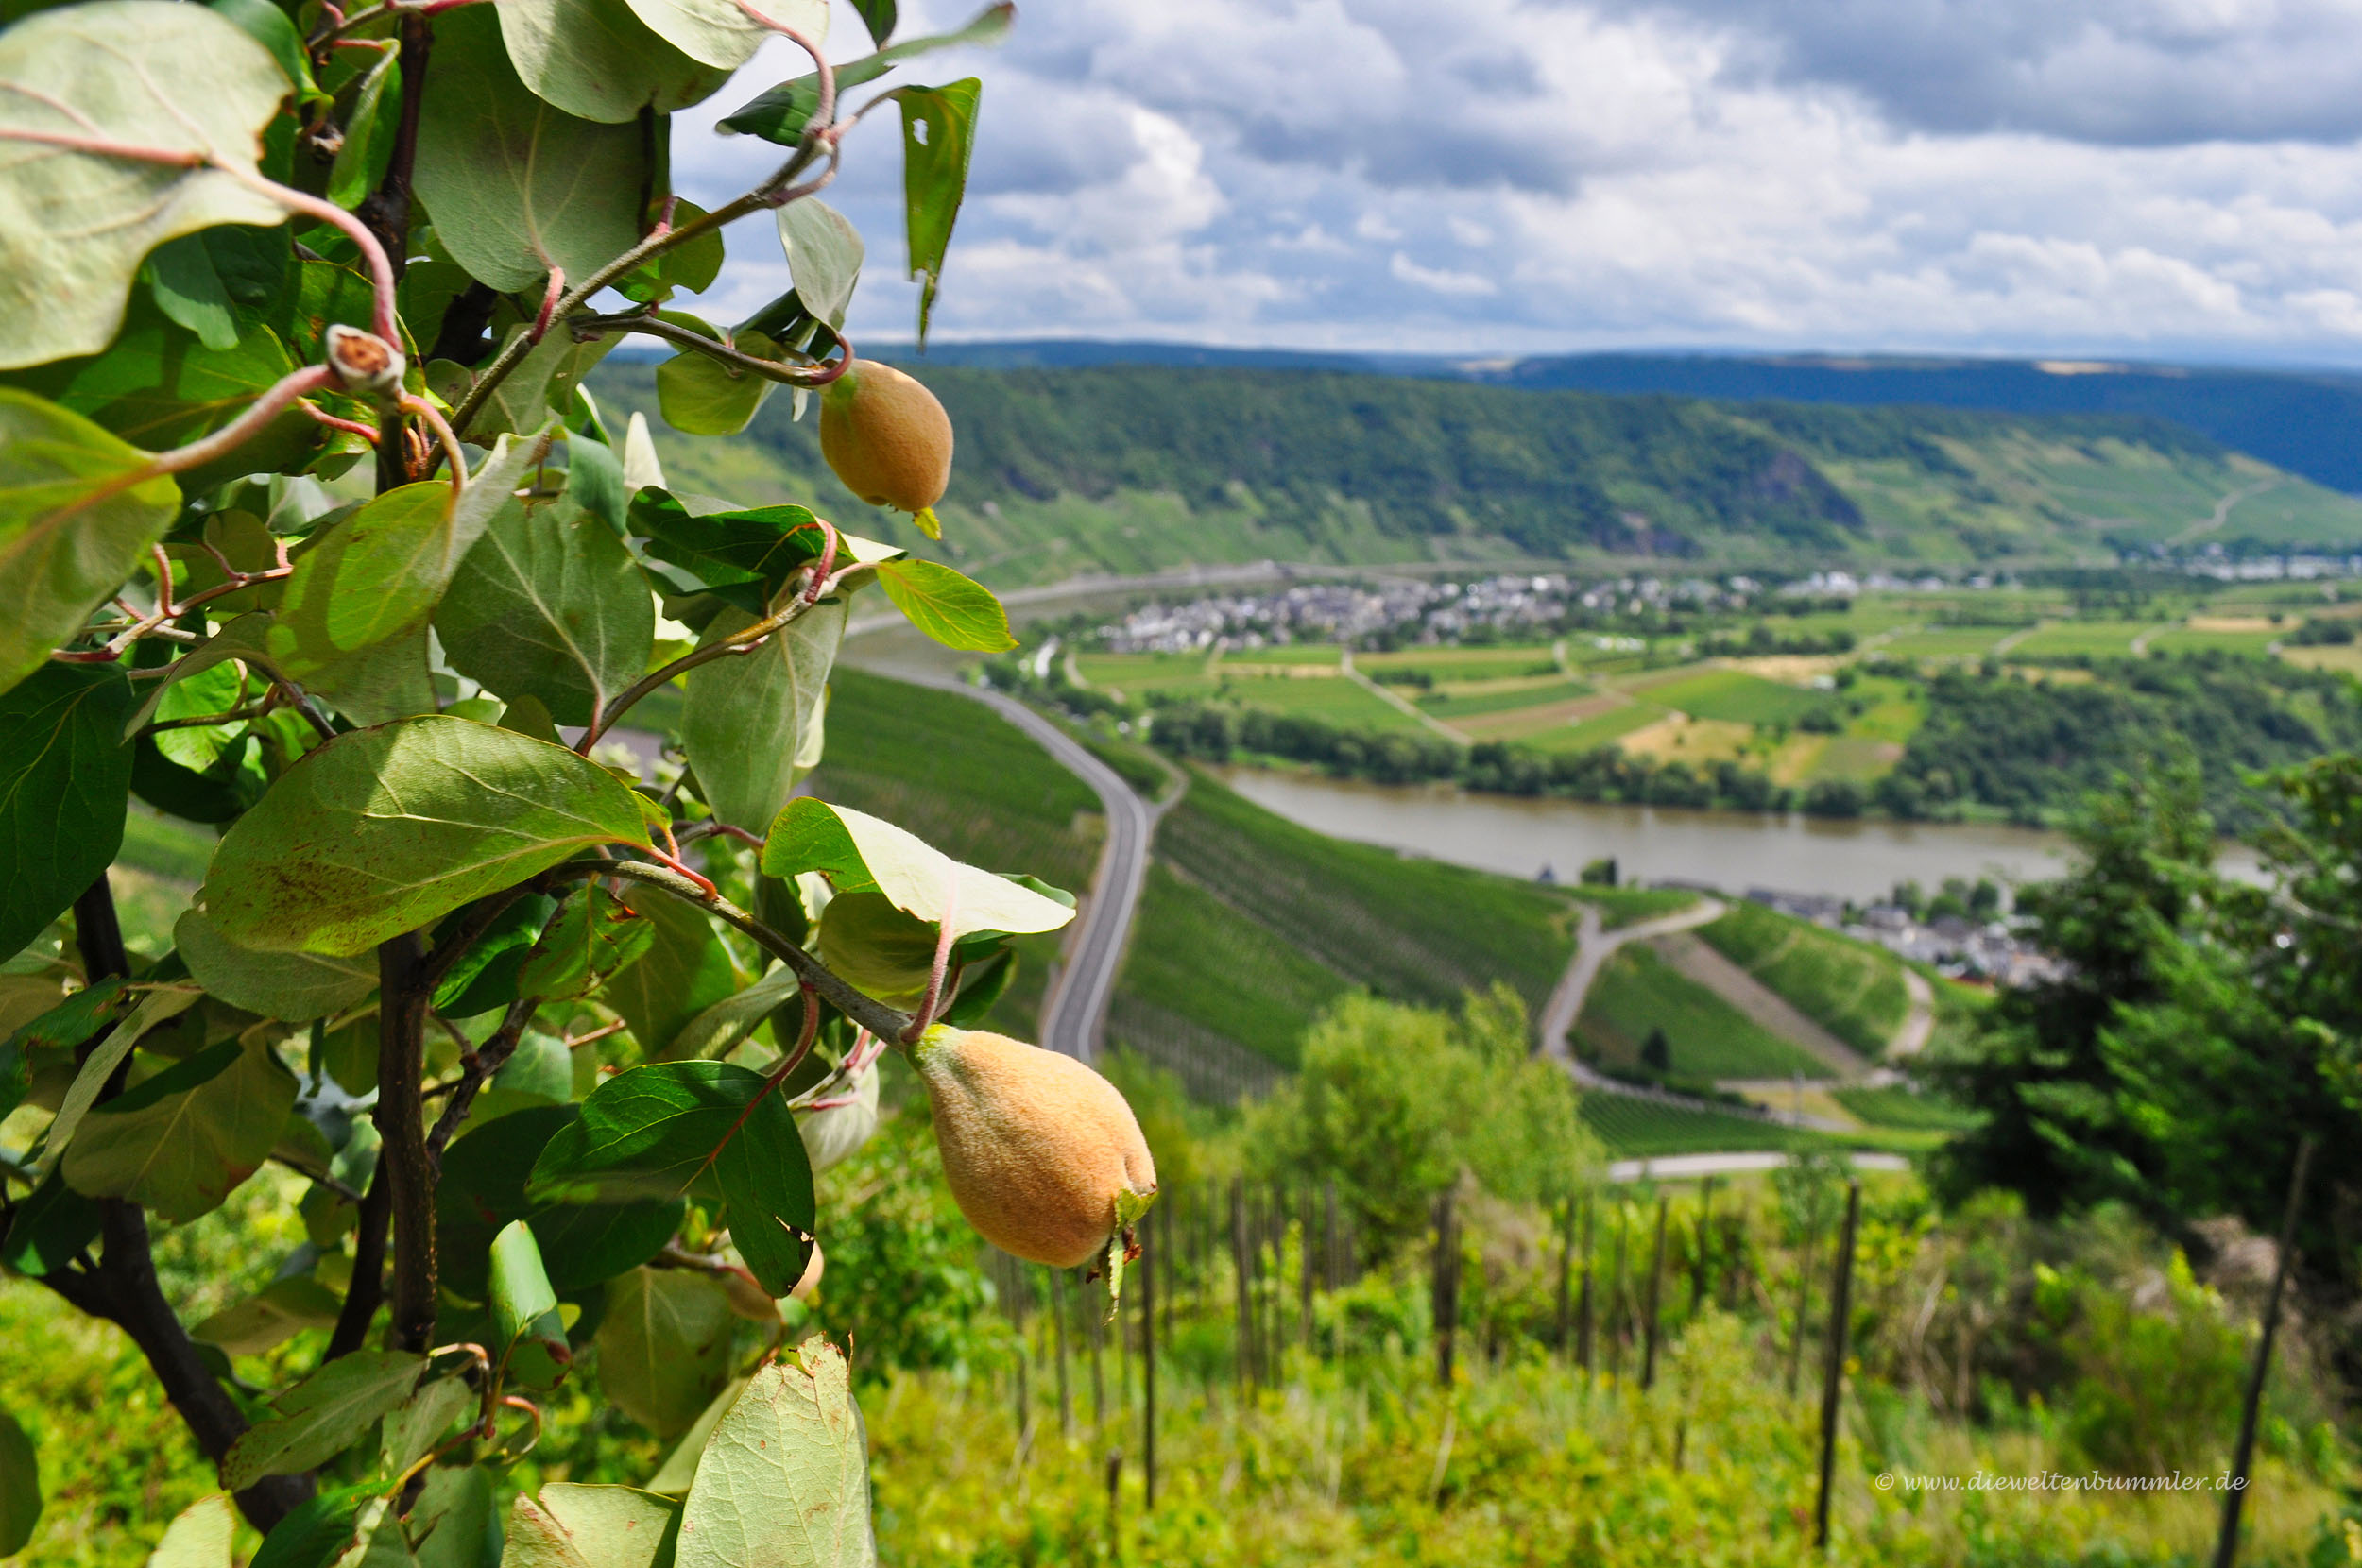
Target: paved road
point(1673, 1168)
point(1074, 1014)
point(1594, 947)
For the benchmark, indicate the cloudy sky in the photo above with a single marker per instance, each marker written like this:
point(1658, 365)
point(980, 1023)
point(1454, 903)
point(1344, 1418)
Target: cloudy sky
point(2154, 178)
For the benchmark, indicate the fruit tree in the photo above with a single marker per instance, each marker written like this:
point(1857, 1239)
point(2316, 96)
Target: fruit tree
point(312, 534)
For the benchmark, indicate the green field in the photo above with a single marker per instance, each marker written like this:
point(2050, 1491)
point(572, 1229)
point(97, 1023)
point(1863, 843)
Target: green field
point(2099, 638)
point(1851, 989)
point(1290, 919)
point(1621, 906)
point(1905, 1110)
point(1736, 697)
point(1606, 730)
point(1635, 1128)
point(1637, 991)
point(1463, 664)
point(1448, 705)
point(2189, 639)
point(1137, 674)
point(1287, 653)
point(1333, 700)
point(1945, 643)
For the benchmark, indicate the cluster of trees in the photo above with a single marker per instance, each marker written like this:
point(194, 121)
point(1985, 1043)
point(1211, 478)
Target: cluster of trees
point(2202, 1027)
point(1760, 642)
point(2037, 749)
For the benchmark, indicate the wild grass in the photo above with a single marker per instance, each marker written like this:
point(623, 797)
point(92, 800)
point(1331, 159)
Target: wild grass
point(1851, 989)
point(1636, 992)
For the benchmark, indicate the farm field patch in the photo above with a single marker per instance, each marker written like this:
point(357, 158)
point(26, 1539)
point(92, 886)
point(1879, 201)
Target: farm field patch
point(1636, 992)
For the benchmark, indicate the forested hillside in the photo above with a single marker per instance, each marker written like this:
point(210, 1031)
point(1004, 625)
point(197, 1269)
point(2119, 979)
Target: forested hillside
point(1139, 468)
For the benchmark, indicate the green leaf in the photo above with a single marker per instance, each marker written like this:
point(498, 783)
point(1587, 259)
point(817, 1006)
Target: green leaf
point(655, 1131)
point(861, 854)
point(157, 1006)
point(686, 970)
point(484, 977)
point(243, 640)
point(517, 186)
point(546, 379)
point(283, 1310)
point(608, 1526)
point(699, 395)
point(597, 61)
point(955, 610)
point(369, 128)
point(785, 1477)
point(719, 33)
point(680, 1466)
point(664, 1346)
point(74, 225)
point(53, 1225)
point(20, 1487)
point(456, 1519)
point(269, 26)
point(594, 482)
point(483, 1188)
point(323, 1416)
point(531, 1338)
point(877, 948)
point(56, 1031)
point(724, 545)
point(65, 779)
point(178, 1143)
point(377, 1538)
point(824, 256)
point(691, 266)
point(412, 1431)
point(718, 1030)
point(746, 718)
point(198, 1536)
point(836, 1135)
point(75, 518)
point(938, 138)
point(781, 113)
point(376, 576)
point(878, 17)
point(549, 605)
point(316, 1531)
point(185, 287)
point(383, 830)
point(296, 987)
point(594, 936)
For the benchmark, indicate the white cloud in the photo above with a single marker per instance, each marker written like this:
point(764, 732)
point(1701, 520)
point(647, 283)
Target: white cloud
point(1506, 175)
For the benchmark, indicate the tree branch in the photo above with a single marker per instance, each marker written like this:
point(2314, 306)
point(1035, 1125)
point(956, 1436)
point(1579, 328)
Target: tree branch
point(366, 1293)
point(481, 1064)
point(400, 1118)
point(870, 1013)
point(815, 375)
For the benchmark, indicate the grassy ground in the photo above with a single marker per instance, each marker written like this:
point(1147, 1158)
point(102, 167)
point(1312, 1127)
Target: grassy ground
point(1252, 922)
point(1621, 907)
point(1851, 989)
point(1635, 1128)
point(1636, 992)
point(1331, 699)
point(1903, 1109)
point(1466, 704)
point(1736, 697)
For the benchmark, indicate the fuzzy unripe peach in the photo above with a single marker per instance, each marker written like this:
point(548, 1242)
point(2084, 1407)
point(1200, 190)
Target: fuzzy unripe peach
point(886, 436)
point(1039, 1150)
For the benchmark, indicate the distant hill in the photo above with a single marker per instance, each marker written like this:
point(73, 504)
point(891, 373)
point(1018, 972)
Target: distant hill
point(1133, 467)
point(2306, 421)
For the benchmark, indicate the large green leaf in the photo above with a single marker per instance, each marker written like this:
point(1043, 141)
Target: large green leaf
point(686, 970)
point(860, 852)
point(296, 987)
point(824, 256)
point(483, 1188)
point(484, 976)
point(198, 1536)
point(282, 1310)
point(664, 1346)
point(181, 1141)
point(74, 224)
point(456, 1522)
point(781, 113)
point(608, 1526)
point(56, 1031)
point(382, 831)
point(377, 577)
point(549, 605)
point(518, 186)
point(784, 1479)
point(955, 610)
point(747, 717)
point(595, 60)
point(323, 1416)
point(938, 138)
point(20, 1487)
point(528, 1335)
point(657, 1130)
point(65, 779)
point(545, 380)
point(720, 33)
point(722, 545)
point(408, 1434)
point(718, 1030)
point(370, 131)
point(76, 519)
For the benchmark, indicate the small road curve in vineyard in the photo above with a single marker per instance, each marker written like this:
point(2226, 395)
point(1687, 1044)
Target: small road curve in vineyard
point(1074, 1014)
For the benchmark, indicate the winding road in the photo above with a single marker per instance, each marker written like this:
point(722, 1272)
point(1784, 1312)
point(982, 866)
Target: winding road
point(1594, 946)
point(1074, 1014)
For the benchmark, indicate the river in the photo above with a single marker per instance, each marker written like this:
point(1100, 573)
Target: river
point(1860, 859)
